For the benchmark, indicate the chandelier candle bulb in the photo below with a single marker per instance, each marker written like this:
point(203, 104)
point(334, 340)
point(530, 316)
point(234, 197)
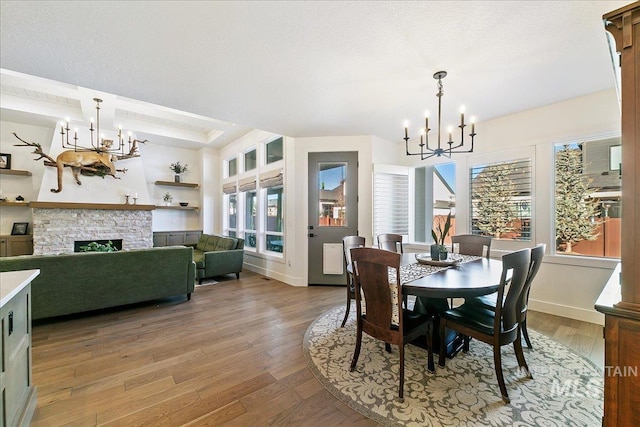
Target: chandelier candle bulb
point(406, 128)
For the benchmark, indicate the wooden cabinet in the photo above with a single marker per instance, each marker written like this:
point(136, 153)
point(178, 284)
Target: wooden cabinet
point(18, 401)
point(171, 238)
point(620, 299)
point(16, 245)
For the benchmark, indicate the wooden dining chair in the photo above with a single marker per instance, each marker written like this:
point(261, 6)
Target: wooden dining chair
point(380, 314)
point(489, 301)
point(471, 244)
point(349, 242)
point(495, 327)
point(390, 242)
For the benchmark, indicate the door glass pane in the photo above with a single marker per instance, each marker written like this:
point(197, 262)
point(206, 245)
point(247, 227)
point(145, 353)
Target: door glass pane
point(332, 193)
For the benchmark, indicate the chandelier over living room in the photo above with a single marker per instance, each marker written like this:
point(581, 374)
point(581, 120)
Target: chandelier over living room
point(99, 143)
point(443, 148)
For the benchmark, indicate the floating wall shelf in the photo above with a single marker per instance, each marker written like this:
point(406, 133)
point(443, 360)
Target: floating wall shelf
point(14, 172)
point(183, 208)
point(177, 184)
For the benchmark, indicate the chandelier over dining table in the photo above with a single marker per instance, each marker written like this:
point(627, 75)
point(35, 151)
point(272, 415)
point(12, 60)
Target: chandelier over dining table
point(446, 148)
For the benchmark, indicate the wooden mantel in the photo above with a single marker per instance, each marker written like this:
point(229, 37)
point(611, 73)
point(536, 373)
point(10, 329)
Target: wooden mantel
point(96, 206)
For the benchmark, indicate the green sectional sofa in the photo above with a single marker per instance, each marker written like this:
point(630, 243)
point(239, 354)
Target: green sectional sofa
point(217, 255)
point(78, 282)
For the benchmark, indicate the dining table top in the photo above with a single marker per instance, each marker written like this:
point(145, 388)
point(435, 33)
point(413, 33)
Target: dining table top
point(464, 280)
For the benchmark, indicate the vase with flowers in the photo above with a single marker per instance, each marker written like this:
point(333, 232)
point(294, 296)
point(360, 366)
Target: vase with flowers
point(167, 198)
point(439, 234)
point(178, 169)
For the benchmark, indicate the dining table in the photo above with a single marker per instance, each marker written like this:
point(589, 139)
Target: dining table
point(473, 276)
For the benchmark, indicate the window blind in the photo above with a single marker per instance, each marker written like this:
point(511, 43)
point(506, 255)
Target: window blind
point(272, 178)
point(390, 204)
point(247, 184)
point(229, 188)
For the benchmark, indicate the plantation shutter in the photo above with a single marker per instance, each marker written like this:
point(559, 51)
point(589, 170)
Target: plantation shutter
point(390, 203)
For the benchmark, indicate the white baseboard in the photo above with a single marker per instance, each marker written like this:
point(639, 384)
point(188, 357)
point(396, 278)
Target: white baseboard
point(591, 316)
point(293, 281)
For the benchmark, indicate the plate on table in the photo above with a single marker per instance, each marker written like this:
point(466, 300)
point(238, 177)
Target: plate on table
point(452, 259)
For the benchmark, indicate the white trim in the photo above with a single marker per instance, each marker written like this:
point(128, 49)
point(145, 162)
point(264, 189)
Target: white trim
point(591, 316)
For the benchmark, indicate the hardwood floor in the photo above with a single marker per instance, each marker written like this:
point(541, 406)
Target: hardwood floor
point(230, 356)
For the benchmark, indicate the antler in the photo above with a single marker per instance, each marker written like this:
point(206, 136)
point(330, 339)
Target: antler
point(38, 149)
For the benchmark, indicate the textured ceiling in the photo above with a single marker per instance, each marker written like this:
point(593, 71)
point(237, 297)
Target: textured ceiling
point(316, 68)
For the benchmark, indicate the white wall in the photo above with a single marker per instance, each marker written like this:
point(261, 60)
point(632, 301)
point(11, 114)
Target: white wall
point(21, 159)
point(566, 286)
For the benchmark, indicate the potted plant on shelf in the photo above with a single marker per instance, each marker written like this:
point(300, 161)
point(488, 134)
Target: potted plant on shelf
point(438, 249)
point(177, 168)
point(168, 198)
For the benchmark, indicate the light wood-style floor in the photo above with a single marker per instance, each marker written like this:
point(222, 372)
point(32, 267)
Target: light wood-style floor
point(230, 356)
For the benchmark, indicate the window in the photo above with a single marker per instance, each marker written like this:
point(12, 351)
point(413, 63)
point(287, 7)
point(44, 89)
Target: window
point(587, 199)
point(250, 212)
point(501, 200)
point(390, 203)
point(274, 150)
point(232, 214)
point(444, 197)
point(615, 157)
point(274, 215)
point(250, 160)
point(332, 206)
point(232, 168)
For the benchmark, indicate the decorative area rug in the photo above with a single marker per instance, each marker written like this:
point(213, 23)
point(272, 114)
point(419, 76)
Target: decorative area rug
point(566, 389)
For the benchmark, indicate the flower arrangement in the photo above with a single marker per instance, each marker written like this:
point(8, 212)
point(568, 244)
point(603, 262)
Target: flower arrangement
point(178, 168)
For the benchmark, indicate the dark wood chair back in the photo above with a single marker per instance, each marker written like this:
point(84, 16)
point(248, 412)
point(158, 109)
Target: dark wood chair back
point(537, 254)
point(349, 242)
point(390, 242)
point(379, 291)
point(508, 314)
point(472, 321)
point(471, 244)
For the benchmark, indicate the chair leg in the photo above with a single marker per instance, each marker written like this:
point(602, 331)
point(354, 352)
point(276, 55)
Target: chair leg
point(497, 360)
point(522, 363)
point(356, 352)
point(387, 347)
point(346, 314)
point(401, 387)
point(443, 344)
point(465, 345)
point(525, 333)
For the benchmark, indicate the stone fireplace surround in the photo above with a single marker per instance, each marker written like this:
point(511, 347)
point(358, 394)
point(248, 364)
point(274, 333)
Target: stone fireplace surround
point(57, 225)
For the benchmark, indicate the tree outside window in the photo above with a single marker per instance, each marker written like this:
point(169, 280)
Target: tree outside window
point(576, 211)
point(501, 200)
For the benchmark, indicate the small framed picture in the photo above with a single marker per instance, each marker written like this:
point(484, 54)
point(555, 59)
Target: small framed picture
point(5, 161)
point(19, 228)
